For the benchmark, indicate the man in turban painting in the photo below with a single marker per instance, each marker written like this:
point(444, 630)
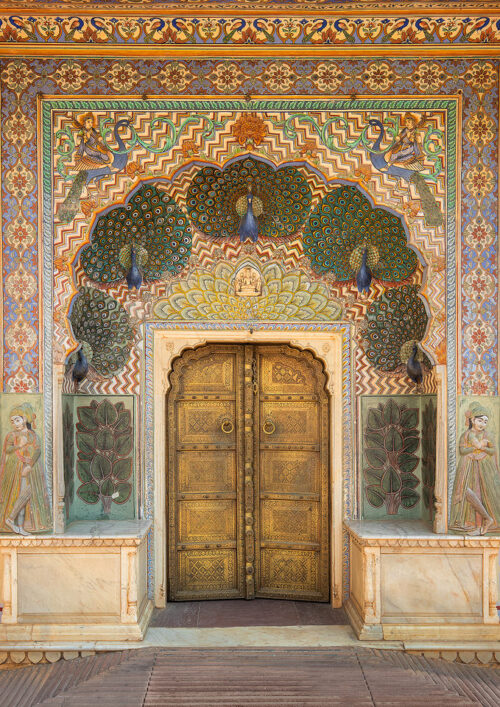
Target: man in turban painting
point(24, 501)
point(475, 504)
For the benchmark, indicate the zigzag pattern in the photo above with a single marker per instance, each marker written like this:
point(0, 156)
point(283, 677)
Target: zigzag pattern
point(323, 168)
point(369, 381)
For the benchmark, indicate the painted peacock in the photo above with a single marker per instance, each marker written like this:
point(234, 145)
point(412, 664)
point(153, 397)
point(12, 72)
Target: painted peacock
point(347, 236)
point(102, 327)
point(248, 199)
point(145, 238)
point(396, 324)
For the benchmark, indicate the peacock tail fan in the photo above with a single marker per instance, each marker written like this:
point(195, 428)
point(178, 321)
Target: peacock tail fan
point(396, 318)
point(71, 205)
point(153, 222)
point(432, 212)
point(344, 221)
point(282, 199)
point(104, 324)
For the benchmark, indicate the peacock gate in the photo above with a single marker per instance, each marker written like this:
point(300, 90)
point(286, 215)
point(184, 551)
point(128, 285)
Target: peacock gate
point(250, 316)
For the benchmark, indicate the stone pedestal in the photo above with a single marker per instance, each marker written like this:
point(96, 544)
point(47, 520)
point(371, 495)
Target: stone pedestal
point(86, 584)
point(410, 584)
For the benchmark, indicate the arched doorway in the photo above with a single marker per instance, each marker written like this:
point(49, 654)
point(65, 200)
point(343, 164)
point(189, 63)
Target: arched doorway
point(248, 474)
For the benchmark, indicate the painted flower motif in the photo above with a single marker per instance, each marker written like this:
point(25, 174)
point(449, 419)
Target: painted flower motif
point(20, 336)
point(482, 75)
point(18, 75)
point(327, 77)
point(249, 128)
point(479, 129)
point(479, 336)
point(379, 76)
point(20, 234)
point(20, 285)
point(479, 285)
point(279, 75)
point(22, 382)
point(479, 181)
point(429, 76)
point(49, 28)
point(122, 77)
point(19, 129)
point(19, 180)
point(479, 234)
point(226, 77)
point(71, 76)
point(175, 76)
point(289, 28)
point(209, 28)
point(479, 384)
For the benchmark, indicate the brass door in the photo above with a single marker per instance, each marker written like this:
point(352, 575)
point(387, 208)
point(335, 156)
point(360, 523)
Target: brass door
point(248, 474)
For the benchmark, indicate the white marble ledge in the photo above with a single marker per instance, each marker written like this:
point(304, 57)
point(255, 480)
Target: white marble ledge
point(412, 533)
point(86, 533)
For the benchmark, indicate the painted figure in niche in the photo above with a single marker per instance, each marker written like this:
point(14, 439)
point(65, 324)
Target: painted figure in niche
point(24, 500)
point(404, 159)
point(248, 282)
point(475, 504)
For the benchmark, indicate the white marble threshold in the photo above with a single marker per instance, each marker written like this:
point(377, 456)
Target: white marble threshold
point(251, 637)
point(233, 636)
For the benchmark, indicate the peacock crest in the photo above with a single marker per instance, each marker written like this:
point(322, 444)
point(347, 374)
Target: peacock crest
point(344, 225)
point(102, 326)
point(152, 224)
point(217, 199)
point(395, 322)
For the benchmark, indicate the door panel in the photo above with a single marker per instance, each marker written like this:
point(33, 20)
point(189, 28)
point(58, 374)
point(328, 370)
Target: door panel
point(205, 447)
point(280, 472)
point(292, 548)
point(289, 423)
point(248, 457)
point(203, 422)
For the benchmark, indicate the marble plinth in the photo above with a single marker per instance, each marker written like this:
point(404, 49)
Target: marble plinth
point(89, 583)
point(410, 584)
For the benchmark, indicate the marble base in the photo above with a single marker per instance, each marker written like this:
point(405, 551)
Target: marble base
point(410, 584)
point(89, 583)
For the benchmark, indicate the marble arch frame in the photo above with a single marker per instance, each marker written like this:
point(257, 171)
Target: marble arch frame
point(329, 343)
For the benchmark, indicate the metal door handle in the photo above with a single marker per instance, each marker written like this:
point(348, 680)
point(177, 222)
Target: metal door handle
point(268, 427)
point(227, 426)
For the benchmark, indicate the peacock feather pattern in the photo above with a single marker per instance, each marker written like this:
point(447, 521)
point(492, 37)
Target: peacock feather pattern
point(102, 325)
point(286, 296)
point(395, 322)
point(153, 223)
point(216, 199)
point(343, 224)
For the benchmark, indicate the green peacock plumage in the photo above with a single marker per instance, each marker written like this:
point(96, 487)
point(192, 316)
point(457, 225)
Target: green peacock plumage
point(342, 224)
point(216, 199)
point(151, 221)
point(394, 321)
point(102, 325)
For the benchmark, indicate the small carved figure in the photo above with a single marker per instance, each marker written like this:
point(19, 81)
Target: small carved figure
point(248, 282)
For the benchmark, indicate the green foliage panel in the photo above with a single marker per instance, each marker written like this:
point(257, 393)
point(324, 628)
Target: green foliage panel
point(99, 458)
point(397, 456)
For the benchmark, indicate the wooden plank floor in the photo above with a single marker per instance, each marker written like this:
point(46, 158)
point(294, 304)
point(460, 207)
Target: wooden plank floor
point(239, 677)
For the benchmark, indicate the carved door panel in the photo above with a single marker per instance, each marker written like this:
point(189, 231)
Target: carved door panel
point(248, 474)
point(205, 491)
point(291, 538)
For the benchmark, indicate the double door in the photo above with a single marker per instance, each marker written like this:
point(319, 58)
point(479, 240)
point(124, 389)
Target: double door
point(248, 474)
